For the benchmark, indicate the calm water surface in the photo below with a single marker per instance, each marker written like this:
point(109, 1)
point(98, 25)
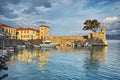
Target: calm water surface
point(95, 63)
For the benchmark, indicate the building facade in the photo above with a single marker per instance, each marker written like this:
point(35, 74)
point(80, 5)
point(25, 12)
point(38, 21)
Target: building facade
point(96, 38)
point(44, 32)
point(8, 31)
point(27, 33)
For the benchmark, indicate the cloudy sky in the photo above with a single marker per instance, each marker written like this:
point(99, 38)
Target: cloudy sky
point(65, 17)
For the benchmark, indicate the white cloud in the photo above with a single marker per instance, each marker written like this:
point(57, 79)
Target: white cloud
point(112, 24)
point(66, 2)
point(41, 9)
point(18, 11)
point(102, 3)
point(115, 30)
point(111, 19)
point(42, 21)
point(26, 22)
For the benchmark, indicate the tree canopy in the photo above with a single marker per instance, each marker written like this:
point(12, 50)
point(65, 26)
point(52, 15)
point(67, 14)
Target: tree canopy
point(91, 25)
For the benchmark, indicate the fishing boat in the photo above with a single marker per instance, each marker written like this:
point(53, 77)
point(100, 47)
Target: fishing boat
point(48, 44)
point(9, 49)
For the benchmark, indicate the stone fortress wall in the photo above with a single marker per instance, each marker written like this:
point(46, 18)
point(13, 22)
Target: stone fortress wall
point(65, 39)
point(95, 38)
point(98, 38)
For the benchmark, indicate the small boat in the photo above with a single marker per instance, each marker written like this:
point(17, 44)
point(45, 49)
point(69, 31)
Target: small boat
point(9, 49)
point(21, 46)
point(87, 44)
point(36, 46)
point(3, 52)
point(48, 44)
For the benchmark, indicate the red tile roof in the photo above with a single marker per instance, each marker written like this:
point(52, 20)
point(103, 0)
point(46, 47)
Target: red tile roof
point(6, 26)
point(18, 29)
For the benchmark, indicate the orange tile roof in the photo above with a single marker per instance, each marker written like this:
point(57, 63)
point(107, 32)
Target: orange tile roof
point(37, 31)
point(6, 26)
point(18, 29)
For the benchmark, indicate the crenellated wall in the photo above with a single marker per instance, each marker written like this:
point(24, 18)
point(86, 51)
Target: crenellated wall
point(98, 38)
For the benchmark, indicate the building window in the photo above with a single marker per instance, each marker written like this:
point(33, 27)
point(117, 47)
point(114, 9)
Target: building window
point(2, 29)
point(41, 32)
point(41, 29)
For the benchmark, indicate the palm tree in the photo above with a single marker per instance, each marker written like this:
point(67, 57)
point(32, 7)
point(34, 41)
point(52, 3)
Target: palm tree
point(91, 25)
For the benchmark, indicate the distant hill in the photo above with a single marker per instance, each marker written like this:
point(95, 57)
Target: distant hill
point(115, 37)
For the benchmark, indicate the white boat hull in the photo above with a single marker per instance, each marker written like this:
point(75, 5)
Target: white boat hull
point(20, 46)
point(36, 46)
point(48, 45)
point(3, 52)
point(9, 49)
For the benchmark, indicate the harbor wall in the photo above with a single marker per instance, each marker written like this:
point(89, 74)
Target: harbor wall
point(65, 39)
point(14, 42)
point(10, 42)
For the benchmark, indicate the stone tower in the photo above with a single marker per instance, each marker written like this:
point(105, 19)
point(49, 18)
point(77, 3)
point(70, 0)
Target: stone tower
point(98, 38)
point(103, 29)
point(44, 32)
point(103, 32)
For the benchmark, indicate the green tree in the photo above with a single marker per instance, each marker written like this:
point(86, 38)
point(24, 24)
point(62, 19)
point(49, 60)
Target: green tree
point(91, 25)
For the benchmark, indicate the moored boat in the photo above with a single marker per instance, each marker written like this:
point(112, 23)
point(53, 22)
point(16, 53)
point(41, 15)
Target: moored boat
point(36, 46)
point(3, 52)
point(9, 49)
point(48, 44)
point(21, 46)
point(87, 44)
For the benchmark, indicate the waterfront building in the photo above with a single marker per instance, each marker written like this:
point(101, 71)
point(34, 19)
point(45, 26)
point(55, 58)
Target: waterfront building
point(8, 31)
point(94, 38)
point(27, 33)
point(44, 32)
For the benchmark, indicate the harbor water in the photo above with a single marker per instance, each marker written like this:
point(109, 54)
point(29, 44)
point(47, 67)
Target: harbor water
point(65, 63)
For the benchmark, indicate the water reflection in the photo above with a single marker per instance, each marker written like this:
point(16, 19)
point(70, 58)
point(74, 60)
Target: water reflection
point(41, 57)
point(70, 49)
point(35, 56)
point(95, 58)
point(97, 54)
